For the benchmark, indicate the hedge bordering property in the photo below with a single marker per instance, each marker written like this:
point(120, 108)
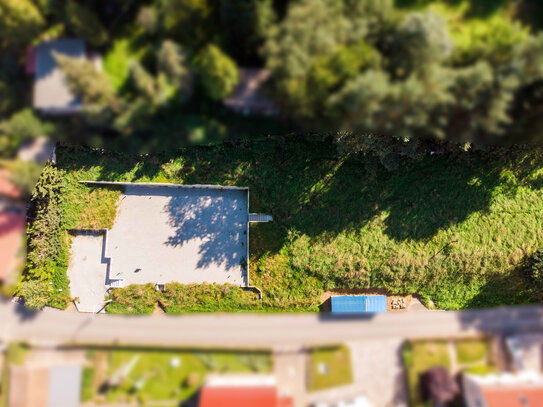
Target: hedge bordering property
point(48, 245)
point(178, 298)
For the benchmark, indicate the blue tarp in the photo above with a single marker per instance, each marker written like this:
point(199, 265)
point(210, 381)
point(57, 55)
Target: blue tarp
point(343, 304)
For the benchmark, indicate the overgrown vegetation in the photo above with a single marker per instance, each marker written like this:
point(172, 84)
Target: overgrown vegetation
point(453, 228)
point(48, 248)
point(178, 298)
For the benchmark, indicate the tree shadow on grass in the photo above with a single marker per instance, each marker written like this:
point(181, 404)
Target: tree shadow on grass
point(418, 199)
point(216, 216)
point(305, 187)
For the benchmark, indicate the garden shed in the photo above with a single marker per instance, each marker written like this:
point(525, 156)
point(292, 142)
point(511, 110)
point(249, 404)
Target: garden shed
point(352, 304)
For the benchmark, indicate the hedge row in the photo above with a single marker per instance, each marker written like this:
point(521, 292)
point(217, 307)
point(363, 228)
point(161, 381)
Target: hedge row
point(178, 298)
point(48, 252)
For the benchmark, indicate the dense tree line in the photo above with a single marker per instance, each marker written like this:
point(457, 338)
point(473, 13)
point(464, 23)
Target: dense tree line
point(384, 76)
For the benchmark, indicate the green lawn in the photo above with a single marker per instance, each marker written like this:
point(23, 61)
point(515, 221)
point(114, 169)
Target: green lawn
point(453, 229)
point(419, 356)
point(329, 367)
point(154, 375)
point(472, 351)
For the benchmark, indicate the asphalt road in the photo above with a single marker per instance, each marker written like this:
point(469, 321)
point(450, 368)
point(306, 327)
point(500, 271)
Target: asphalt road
point(244, 330)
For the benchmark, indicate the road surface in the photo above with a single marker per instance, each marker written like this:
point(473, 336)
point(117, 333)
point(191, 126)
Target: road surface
point(264, 331)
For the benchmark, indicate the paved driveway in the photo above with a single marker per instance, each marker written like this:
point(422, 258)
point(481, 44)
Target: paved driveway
point(87, 272)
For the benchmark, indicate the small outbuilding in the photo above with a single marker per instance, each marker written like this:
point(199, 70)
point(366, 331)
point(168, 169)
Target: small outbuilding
point(355, 304)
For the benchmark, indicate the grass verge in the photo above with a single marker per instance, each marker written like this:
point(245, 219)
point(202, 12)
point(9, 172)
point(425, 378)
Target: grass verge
point(329, 367)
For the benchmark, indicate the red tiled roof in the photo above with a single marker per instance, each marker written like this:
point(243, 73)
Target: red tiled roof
point(242, 396)
point(12, 227)
point(513, 397)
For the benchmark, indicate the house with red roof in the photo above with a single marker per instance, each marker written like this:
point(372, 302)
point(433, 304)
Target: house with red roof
point(523, 389)
point(242, 391)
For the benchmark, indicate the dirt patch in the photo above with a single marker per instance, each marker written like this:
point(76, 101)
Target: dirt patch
point(325, 297)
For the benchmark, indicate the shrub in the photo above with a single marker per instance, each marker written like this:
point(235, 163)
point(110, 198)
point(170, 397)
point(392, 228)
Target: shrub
point(207, 297)
point(134, 299)
point(533, 268)
point(218, 73)
point(44, 232)
point(35, 293)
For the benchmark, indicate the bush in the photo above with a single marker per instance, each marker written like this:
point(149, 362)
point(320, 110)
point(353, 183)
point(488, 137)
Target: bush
point(207, 298)
point(134, 299)
point(35, 293)
point(218, 73)
point(25, 174)
point(22, 126)
point(533, 268)
point(44, 232)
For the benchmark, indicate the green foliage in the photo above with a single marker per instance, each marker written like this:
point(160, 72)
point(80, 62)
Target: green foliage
point(189, 22)
point(179, 298)
point(453, 228)
point(11, 96)
point(44, 235)
point(143, 82)
point(16, 353)
point(470, 351)
point(171, 385)
point(420, 41)
point(338, 368)
point(35, 293)
point(148, 19)
point(172, 63)
point(85, 81)
point(84, 23)
point(22, 126)
point(20, 22)
point(134, 299)
point(418, 357)
point(25, 174)
point(207, 298)
point(87, 391)
point(244, 24)
point(118, 59)
point(493, 40)
point(218, 73)
point(533, 268)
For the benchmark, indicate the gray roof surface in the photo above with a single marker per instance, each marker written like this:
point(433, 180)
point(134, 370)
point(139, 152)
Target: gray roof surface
point(51, 93)
point(65, 386)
